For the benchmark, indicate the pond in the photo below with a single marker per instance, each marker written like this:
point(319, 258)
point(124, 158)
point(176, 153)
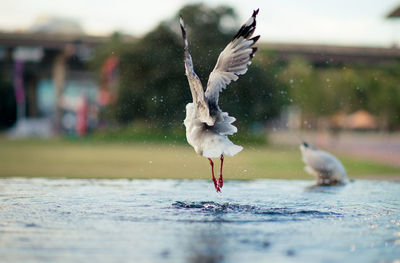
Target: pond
point(74, 220)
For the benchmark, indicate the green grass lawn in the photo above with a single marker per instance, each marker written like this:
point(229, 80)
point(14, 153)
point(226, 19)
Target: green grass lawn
point(81, 159)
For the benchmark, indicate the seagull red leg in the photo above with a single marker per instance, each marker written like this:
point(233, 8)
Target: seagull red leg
point(213, 177)
point(221, 180)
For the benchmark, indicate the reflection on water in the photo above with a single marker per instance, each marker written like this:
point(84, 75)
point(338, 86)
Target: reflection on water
point(64, 220)
point(206, 244)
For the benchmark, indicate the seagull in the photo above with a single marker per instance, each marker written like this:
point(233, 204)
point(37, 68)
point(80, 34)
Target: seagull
point(324, 166)
point(207, 126)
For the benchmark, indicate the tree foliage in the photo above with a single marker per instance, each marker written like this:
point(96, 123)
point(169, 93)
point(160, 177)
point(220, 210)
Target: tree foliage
point(328, 90)
point(153, 86)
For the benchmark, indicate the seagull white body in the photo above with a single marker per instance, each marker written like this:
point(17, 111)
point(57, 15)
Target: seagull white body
point(210, 141)
point(207, 127)
point(324, 166)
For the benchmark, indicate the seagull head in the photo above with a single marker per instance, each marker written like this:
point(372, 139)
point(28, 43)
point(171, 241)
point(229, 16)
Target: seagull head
point(306, 146)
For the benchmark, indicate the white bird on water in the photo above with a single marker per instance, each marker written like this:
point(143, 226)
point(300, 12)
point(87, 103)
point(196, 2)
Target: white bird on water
point(207, 127)
point(324, 166)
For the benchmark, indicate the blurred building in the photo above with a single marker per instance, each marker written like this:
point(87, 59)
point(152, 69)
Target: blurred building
point(55, 90)
point(56, 25)
point(48, 66)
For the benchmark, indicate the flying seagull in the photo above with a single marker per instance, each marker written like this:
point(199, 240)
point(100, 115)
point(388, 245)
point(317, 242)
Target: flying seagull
point(324, 166)
point(207, 126)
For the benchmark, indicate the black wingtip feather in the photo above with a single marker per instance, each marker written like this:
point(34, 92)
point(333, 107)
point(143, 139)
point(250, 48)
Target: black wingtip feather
point(250, 32)
point(256, 38)
point(246, 31)
point(254, 51)
point(255, 12)
point(181, 23)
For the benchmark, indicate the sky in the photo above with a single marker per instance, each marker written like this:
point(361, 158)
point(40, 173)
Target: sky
point(339, 22)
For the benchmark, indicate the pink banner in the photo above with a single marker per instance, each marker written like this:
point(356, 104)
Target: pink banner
point(19, 82)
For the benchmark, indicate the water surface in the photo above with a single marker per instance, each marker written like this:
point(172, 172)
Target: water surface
point(68, 220)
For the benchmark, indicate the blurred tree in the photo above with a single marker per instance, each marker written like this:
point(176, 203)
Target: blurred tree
point(153, 86)
point(259, 95)
point(382, 93)
point(151, 79)
point(328, 90)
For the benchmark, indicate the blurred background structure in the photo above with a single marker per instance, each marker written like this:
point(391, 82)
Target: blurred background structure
point(47, 83)
point(58, 78)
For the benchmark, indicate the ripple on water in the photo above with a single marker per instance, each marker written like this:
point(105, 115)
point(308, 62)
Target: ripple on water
point(63, 220)
point(211, 206)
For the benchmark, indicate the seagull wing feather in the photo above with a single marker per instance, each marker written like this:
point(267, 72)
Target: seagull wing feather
point(202, 110)
point(321, 161)
point(232, 62)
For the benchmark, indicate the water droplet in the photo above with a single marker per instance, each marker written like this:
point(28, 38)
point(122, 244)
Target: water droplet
point(353, 248)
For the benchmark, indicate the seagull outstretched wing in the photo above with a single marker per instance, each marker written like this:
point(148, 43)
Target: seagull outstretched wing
point(202, 110)
point(232, 62)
